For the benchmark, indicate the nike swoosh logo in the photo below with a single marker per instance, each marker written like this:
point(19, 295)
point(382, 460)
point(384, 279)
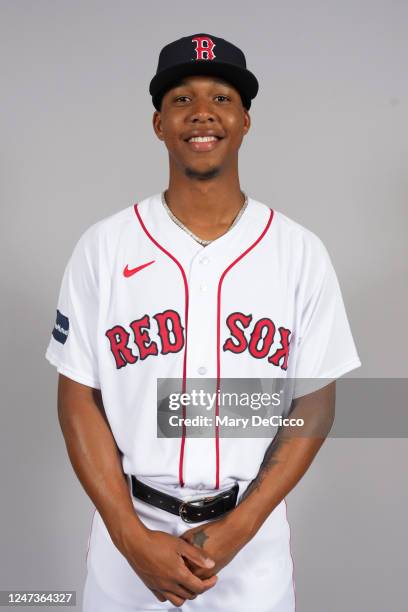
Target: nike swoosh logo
point(127, 272)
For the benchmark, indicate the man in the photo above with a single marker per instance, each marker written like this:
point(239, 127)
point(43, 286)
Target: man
point(199, 281)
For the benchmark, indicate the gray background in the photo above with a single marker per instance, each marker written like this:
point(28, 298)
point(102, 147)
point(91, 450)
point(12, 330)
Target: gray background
point(328, 147)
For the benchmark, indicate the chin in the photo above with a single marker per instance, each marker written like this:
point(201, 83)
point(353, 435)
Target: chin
point(202, 174)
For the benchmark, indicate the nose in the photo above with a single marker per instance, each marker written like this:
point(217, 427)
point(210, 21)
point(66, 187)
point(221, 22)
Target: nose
point(202, 112)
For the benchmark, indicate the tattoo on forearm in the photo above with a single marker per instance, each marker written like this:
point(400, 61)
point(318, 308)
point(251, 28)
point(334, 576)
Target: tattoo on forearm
point(268, 461)
point(199, 538)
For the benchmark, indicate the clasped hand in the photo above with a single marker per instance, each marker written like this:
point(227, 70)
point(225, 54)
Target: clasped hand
point(220, 540)
point(180, 568)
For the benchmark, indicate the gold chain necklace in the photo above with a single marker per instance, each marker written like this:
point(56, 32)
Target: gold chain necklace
point(189, 232)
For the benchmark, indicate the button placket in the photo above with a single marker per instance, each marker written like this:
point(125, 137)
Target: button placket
point(202, 296)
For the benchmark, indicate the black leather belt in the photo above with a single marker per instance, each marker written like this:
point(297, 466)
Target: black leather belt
point(203, 509)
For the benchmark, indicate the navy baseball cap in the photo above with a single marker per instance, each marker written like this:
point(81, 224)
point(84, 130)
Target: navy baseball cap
point(202, 54)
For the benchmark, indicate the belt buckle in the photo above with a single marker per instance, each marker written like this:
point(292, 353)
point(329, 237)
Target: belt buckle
point(183, 512)
point(199, 502)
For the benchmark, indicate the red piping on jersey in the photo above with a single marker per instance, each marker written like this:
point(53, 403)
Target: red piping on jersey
point(89, 537)
point(291, 556)
point(183, 274)
point(217, 435)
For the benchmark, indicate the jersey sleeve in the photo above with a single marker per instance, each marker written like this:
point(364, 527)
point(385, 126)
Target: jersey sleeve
point(72, 348)
point(324, 344)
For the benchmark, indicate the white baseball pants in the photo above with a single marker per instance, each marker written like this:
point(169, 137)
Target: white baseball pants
point(259, 578)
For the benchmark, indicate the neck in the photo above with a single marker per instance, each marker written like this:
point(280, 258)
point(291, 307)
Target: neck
point(210, 206)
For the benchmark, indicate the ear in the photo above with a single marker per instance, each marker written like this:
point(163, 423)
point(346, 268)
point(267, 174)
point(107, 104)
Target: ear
point(247, 121)
point(157, 125)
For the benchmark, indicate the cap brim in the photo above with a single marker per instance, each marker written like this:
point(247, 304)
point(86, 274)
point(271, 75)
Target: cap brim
point(241, 78)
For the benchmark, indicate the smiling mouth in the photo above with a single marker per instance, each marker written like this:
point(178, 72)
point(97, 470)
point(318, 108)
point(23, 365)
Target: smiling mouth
point(203, 143)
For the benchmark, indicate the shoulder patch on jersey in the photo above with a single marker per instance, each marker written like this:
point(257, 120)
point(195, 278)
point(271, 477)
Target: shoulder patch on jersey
point(61, 328)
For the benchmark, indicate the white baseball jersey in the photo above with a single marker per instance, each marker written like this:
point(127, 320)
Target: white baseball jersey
point(141, 299)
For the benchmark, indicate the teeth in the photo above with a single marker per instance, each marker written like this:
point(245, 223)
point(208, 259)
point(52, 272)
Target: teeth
point(202, 139)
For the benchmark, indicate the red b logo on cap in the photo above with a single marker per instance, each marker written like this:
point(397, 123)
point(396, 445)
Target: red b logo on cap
point(204, 48)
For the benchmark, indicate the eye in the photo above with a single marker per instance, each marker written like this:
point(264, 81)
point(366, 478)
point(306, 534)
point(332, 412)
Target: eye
point(222, 96)
point(180, 98)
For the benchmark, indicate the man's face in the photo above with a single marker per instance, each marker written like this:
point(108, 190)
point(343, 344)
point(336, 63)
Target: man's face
point(202, 106)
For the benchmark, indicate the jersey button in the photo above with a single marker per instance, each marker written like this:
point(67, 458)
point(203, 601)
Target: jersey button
point(203, 287)
point(204, 260)
point(202, 370)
